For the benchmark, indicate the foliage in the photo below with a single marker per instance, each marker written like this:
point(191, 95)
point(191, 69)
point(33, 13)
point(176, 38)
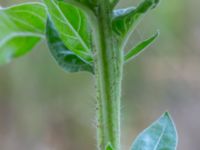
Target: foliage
point(70, 28)
point(21, 29)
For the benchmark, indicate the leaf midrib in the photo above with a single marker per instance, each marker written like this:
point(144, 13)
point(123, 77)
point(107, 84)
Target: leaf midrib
point(71, 27)
point(30, 12)
point(19, 34)
point(160, 137)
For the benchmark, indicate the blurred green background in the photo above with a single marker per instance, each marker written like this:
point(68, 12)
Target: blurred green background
point(43, 108)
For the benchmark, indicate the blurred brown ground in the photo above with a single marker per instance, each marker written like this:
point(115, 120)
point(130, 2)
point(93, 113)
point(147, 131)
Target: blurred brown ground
point(42, 108)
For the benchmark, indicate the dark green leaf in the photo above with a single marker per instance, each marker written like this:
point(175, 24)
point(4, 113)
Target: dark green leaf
point(65, 58)
point(134, 52)
point(73, 27)
point(125, 20)
point(161, 135)
point(21, 27)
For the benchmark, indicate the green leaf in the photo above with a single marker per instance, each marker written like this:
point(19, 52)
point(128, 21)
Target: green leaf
point(125, 20)
point(72, 26)
point(21, 27)
point(134, 52)
point(109, 147)
point(65, 58)
point(161, 135)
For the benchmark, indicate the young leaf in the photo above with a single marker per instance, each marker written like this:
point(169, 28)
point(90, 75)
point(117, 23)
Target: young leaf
point(161, 135)
point(134, 52)
point(65, 58)
point(109, 147)
point(72, 26)
point(125, 20)
point(21, 27)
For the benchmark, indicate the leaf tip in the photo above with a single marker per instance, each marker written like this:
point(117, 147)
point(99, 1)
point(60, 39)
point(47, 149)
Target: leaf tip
point(109, 146)
point(168, 117)
point(157, 32)
point(156, 3)
point(156, 35)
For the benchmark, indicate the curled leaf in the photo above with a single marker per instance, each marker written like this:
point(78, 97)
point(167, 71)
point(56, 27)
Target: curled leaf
point(125, 20)
point(65, 58)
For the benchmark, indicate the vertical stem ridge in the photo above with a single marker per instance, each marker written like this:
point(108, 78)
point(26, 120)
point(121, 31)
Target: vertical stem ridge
point(109, 60)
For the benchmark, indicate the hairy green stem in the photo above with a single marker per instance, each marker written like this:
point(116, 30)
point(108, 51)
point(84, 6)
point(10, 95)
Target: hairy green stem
point(108, 67)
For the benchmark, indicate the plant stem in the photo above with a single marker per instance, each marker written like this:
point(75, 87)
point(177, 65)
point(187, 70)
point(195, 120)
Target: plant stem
point(108, 67)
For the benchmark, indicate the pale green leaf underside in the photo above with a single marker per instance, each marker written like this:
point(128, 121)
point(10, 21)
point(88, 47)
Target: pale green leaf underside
point(134, 52)
point(125, 20)
point(65, 58)
point(161, 135)
point(21, 27)
point(73, 28)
